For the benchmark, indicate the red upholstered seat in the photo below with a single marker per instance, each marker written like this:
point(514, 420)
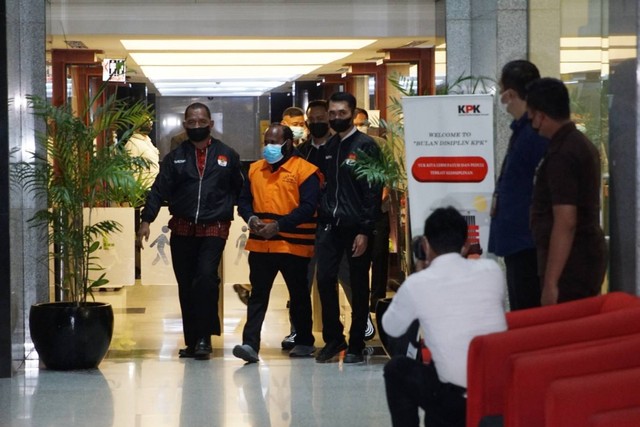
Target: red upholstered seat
point(596, 399)
point(531, 374)
point(571, 310)
point(629, 417)
point(489, 354)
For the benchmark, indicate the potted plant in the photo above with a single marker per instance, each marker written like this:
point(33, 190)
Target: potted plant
point(79, 165)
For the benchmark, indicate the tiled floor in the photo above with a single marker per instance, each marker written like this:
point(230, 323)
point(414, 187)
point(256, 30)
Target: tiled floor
point(142, 382)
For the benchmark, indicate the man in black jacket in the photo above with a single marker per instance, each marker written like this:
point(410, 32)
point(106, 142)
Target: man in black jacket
point(347, 214)
point(201, 181)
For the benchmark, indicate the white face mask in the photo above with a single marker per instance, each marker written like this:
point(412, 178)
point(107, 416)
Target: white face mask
point(298, 132)
point(363, 129)
point(504, 101)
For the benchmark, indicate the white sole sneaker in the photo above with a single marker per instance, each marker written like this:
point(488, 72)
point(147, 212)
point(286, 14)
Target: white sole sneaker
point(370, 332)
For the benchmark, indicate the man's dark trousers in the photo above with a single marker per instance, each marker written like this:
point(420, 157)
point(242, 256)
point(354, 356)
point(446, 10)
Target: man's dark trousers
point(195, 263)
point(263, 270)
point(523, 282)
point(331, 243)
point(411, 384)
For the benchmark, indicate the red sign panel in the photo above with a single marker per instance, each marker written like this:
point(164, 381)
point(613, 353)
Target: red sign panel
point(449, 169)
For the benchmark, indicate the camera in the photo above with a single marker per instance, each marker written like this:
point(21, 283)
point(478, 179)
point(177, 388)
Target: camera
point(417, 248)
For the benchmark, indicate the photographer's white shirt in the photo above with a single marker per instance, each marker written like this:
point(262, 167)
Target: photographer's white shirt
point(455, 299)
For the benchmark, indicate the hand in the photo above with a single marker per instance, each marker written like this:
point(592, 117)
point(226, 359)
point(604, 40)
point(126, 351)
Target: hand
point(549, 294)
point(143, 231)
point(359, 245)
point(269, 230)
point(255, 224)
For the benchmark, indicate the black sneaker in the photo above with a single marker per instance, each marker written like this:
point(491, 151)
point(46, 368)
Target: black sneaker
point(289, 341)
point(330, 350)
point(246, 353)
point(370, 332)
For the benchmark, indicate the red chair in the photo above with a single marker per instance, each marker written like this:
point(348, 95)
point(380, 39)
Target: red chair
point(571, 310)
point(489, 354)
point(597, 399)
point(629, 417)
point(531, 374)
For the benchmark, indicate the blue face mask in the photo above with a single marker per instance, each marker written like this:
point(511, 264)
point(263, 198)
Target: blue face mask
point(272, 153)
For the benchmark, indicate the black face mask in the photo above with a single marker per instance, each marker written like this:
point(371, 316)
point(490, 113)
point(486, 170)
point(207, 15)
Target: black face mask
point(340, 125)
point(318, 130)
point(198, 134)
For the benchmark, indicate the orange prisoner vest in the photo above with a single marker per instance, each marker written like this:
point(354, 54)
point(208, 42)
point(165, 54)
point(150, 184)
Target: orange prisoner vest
point(276, 194)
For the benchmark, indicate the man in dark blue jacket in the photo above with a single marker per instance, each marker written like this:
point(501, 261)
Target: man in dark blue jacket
point(510, 236)
point(348, 211)
point(201, 181)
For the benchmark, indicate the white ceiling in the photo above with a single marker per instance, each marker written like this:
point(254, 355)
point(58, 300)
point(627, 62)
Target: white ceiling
point(102, 25)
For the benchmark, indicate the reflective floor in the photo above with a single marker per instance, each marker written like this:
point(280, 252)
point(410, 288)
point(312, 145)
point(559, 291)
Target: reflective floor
point(142, 382)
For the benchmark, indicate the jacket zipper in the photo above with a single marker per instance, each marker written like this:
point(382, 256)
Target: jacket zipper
point(206, 154)
point(335, 210)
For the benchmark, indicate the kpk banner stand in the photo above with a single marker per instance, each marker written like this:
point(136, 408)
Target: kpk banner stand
point(449, 155)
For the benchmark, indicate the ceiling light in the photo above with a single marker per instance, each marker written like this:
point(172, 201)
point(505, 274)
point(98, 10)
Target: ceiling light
point(245, 58)
point(196, 92)
point(173, 84)
point(213, 90)
point(214, 73)
point(247, 44)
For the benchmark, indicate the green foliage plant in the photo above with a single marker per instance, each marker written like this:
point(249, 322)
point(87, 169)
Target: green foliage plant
point(78, 175)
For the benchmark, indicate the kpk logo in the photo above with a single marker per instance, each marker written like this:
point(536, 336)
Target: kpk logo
point(469, 109)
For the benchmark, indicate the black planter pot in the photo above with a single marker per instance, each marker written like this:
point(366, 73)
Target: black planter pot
point(67, 336)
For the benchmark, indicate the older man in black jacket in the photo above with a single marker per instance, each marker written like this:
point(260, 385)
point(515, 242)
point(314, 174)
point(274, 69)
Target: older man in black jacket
point(201, 181)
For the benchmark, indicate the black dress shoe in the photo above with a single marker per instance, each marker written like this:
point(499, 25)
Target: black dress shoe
point(330, 350)
point(202, 350)
point(353, 358)
point(186, 352)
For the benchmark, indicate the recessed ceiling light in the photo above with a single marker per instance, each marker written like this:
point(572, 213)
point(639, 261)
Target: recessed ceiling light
point(246, 44)
point(219, 73)
point(227, 83)
point(244, 58)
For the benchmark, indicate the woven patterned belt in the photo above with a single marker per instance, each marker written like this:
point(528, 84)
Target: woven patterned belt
point(184, 227)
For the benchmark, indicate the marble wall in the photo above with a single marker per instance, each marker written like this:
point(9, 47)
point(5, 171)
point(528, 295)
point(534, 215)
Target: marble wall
point(25, 74)
point(482, 37)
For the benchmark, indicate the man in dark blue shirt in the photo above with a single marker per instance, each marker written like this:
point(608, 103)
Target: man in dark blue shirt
point(510, 235)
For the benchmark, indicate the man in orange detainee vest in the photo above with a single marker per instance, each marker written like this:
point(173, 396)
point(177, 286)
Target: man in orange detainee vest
point(278, 202)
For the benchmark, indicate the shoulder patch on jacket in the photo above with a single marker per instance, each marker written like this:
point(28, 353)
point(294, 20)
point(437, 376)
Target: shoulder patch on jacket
point(222, 160)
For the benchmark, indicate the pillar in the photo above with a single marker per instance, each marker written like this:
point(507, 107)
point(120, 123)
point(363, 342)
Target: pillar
point(23, 269)
point(624, 124)
point(481, 37)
